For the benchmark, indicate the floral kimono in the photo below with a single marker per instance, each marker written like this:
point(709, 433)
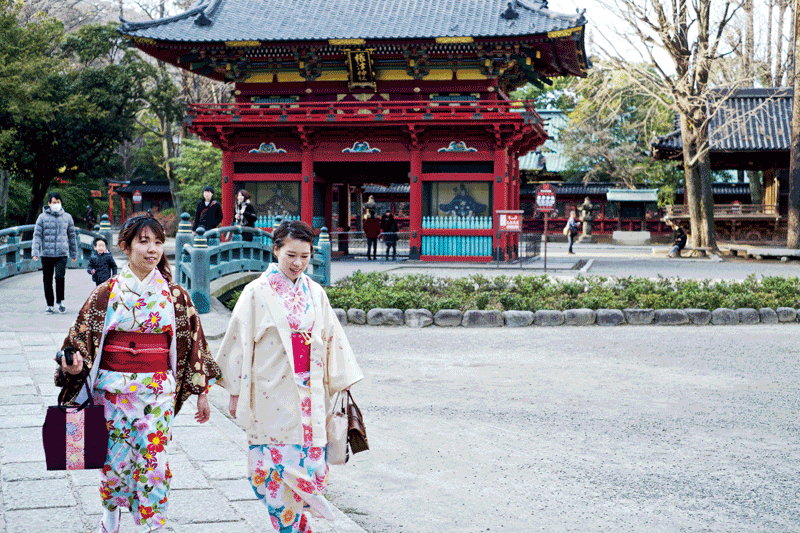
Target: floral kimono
point(285, 417)
point(140, 406)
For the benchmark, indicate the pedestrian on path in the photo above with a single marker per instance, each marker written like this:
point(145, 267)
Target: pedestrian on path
point(246, 215)
point(101, 265)
point(571, 230)
point(144, 351)
point(54, 239)
point(389, 232)
point(372, 230)
point(286, 355)
point(208, 212)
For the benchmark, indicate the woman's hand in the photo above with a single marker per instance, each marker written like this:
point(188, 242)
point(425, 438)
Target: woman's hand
point(203, 410)
point(232, 405)
point(77, 364)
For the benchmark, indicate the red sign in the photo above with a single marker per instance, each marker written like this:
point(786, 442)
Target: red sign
point(545, 198)
point(510, 220)
point(137, 197)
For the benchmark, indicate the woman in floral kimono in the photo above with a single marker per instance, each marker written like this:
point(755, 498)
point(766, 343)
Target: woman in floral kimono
point(285, 355)
point(139, 339)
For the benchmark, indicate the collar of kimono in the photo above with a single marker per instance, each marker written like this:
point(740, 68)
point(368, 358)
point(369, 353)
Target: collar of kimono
point(276, 309)
point(131, 281)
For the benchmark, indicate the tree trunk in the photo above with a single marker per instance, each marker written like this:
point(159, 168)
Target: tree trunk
point(168, 153)
point(707, 230)
point(5, 184)
point(692, 178)
point(793, 231)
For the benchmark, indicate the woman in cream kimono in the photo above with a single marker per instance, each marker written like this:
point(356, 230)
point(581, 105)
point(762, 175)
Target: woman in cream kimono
point(139, 339)
point(283, 357)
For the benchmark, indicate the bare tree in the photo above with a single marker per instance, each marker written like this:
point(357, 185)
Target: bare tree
point(690, 35)
point(793, 233)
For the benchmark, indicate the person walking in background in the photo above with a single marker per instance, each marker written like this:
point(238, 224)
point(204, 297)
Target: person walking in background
point(389, 231)
point(245, 214)
point(140, 348)
point(678, 240)
point(89, 219)
point(572, 228)
point(54, 240)
point(101, 265)
point(283, 358)
point(372, 230)
point(208, 212)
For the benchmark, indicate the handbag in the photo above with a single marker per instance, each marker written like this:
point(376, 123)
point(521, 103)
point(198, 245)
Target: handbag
point(566, 230)
point(75, 437)
point(345, 429)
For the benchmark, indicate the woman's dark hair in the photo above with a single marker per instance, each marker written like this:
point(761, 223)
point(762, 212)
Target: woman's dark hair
point(244, 193)
point(131, 230)
point(293, 229)
point(53, 195)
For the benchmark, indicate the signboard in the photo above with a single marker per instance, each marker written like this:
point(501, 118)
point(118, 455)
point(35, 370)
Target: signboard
point(545, 198)
point(359, 65)
point(137, 197)
point(510, 220)
point(97, 194)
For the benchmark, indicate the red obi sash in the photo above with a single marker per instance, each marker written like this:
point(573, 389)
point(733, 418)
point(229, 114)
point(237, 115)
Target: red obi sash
point(126, 351)
point(301, 349)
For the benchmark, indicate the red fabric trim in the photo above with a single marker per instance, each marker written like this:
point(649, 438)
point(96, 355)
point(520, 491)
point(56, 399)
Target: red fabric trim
point(126, 351)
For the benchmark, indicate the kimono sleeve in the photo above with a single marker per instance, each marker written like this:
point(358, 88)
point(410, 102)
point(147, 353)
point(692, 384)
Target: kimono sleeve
point(235, 355)
point(84, 336)
point(341, 367)
point(196, 370)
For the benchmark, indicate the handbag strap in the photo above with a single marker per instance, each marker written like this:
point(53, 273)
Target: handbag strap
point(89, 400)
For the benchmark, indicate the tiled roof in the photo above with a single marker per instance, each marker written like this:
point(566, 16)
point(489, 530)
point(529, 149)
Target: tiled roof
point(752, 120)
point(721, 189)
point(151, 187)
point(552, 150)
point(311, 20)
point(571, 189)
point(394, 188)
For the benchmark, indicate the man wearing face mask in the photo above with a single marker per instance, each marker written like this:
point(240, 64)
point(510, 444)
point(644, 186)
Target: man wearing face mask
point(54, 239)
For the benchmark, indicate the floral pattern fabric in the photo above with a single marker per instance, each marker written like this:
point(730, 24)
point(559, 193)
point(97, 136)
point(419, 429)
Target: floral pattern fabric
point(140, 306)
point(295, 297)
point(290, 478)
point(139, 408)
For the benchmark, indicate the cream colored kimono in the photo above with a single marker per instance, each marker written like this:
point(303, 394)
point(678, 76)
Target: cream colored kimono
point(257, 365)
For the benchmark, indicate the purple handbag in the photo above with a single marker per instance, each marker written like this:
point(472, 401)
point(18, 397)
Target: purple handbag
point(75, 437)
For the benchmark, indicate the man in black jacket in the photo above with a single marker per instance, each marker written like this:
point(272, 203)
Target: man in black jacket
point(208, 212)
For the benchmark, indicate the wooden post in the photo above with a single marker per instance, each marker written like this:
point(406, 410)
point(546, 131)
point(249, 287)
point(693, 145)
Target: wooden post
point(307, 187)
point(228, 195)
point(415, 206)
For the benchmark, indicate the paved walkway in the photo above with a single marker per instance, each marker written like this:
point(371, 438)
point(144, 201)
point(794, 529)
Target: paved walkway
point(210, 493)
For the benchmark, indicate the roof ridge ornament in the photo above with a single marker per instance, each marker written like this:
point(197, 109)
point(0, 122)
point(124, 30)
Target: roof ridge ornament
point(510, 13)
point(203, 20)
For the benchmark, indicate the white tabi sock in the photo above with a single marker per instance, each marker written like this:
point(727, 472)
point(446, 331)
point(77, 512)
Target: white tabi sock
point(110, 521)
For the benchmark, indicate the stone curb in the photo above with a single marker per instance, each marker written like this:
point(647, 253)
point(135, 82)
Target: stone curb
point(448, 318)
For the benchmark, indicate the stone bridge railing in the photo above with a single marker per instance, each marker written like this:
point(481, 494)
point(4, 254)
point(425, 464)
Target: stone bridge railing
point(16, 242)
point(204, 257)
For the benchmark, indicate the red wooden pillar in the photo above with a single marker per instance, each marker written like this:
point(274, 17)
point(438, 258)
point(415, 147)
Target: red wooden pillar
point(307, 187)
point(415, 205)
point(500, 199)
point(228, 199)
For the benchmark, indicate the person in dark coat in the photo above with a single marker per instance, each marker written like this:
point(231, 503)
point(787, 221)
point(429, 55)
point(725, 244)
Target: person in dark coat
point(101, 265)
point(208, 212)
point(54, 240)
point(679, 240)
point(246, 215)
point(389, 231)
point(89, 218)
point(372, 230)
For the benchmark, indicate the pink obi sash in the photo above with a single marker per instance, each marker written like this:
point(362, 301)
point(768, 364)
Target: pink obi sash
point(127, 351)
point(301, 350)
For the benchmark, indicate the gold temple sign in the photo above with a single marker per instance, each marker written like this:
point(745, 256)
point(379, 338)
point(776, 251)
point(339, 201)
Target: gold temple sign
point(359, 65)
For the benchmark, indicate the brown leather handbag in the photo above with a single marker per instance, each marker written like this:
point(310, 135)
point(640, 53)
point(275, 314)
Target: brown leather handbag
point(356, 431)
point(346, 430)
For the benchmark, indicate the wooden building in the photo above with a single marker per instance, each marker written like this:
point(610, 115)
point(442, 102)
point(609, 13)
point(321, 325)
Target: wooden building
point(334, 95)
point(750, 130)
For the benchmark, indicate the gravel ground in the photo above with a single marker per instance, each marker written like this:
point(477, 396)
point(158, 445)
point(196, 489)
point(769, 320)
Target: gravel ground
point(576, 429)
